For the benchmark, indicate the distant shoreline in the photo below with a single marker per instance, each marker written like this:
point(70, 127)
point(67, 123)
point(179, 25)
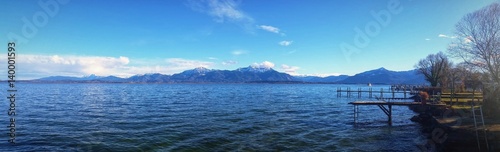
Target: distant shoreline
point(247, 75)
point(248, 82)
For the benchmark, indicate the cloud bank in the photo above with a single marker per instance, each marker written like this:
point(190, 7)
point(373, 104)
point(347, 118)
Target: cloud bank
point(31, 66)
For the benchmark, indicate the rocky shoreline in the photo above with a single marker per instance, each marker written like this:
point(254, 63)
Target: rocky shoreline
point(453, 130)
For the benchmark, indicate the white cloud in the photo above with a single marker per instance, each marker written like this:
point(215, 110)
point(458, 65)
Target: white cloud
point(285, 43)
point(37, 66)
point(221, 10)
point(212, 58)
point(291, 52)
point(187, 64)
point(468, 39)
point(265, 64)
point(229, 11)
point(446, 36)
point(427, 39)
point(239, 52)
point(229, 62)
point(292, 70)
point(270, 28)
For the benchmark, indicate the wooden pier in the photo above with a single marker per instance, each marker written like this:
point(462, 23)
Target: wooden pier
point(388, 110)
point(406, 93)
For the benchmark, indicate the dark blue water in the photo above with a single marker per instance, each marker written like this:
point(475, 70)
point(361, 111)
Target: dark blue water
point(200, 117)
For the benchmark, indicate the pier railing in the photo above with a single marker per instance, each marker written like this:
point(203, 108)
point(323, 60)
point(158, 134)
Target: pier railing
point(371, 93)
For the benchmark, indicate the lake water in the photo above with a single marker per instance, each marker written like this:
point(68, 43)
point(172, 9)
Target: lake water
point(201, 117)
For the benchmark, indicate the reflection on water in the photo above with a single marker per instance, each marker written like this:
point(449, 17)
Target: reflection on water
point(201, 117)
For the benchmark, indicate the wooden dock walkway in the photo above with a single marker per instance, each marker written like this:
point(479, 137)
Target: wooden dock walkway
point(388, 110)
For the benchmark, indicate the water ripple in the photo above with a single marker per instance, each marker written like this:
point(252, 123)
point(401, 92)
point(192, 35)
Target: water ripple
point(200, 117)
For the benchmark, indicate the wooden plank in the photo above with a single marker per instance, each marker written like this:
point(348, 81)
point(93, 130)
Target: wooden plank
point(390, 103)
point(462, 93)
point(460, 100)
point(448, 96)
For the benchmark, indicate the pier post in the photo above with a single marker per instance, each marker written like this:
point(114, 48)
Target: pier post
point(359, 92)
point(381, 92)
point(355, 113)
point(390, 114)
point(392, 93)
point(387, 111)
point(404, 93)
point(370, 90)
point(348, 92)
point(339, 91)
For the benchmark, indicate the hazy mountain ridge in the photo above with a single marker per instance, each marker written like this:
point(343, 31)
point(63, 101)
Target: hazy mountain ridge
point(328, 79)
point(68, 78)
point(384, 76)
point(251, 74)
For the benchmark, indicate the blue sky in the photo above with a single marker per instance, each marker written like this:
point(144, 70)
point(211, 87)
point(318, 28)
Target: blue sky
point(128, 37)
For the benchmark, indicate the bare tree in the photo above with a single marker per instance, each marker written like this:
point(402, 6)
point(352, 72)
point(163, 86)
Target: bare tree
point(434, 67)
point(455, 81)
point(462, 77)
point(478, 44)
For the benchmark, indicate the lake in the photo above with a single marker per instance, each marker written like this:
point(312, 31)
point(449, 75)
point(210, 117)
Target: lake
point(201, 117)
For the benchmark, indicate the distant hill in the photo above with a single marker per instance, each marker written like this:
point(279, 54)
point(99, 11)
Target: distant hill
point(66, 78)
point(251, 74)
point(329, 79)
point(198, 75)
point(149, 78)
point(111, 79)
point(384, 76)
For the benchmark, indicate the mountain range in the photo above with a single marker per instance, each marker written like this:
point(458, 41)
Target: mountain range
point(250, 75)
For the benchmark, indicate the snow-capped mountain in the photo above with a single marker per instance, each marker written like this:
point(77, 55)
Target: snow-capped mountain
point(255, 69)
point(91, 77)
point(199, 70)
